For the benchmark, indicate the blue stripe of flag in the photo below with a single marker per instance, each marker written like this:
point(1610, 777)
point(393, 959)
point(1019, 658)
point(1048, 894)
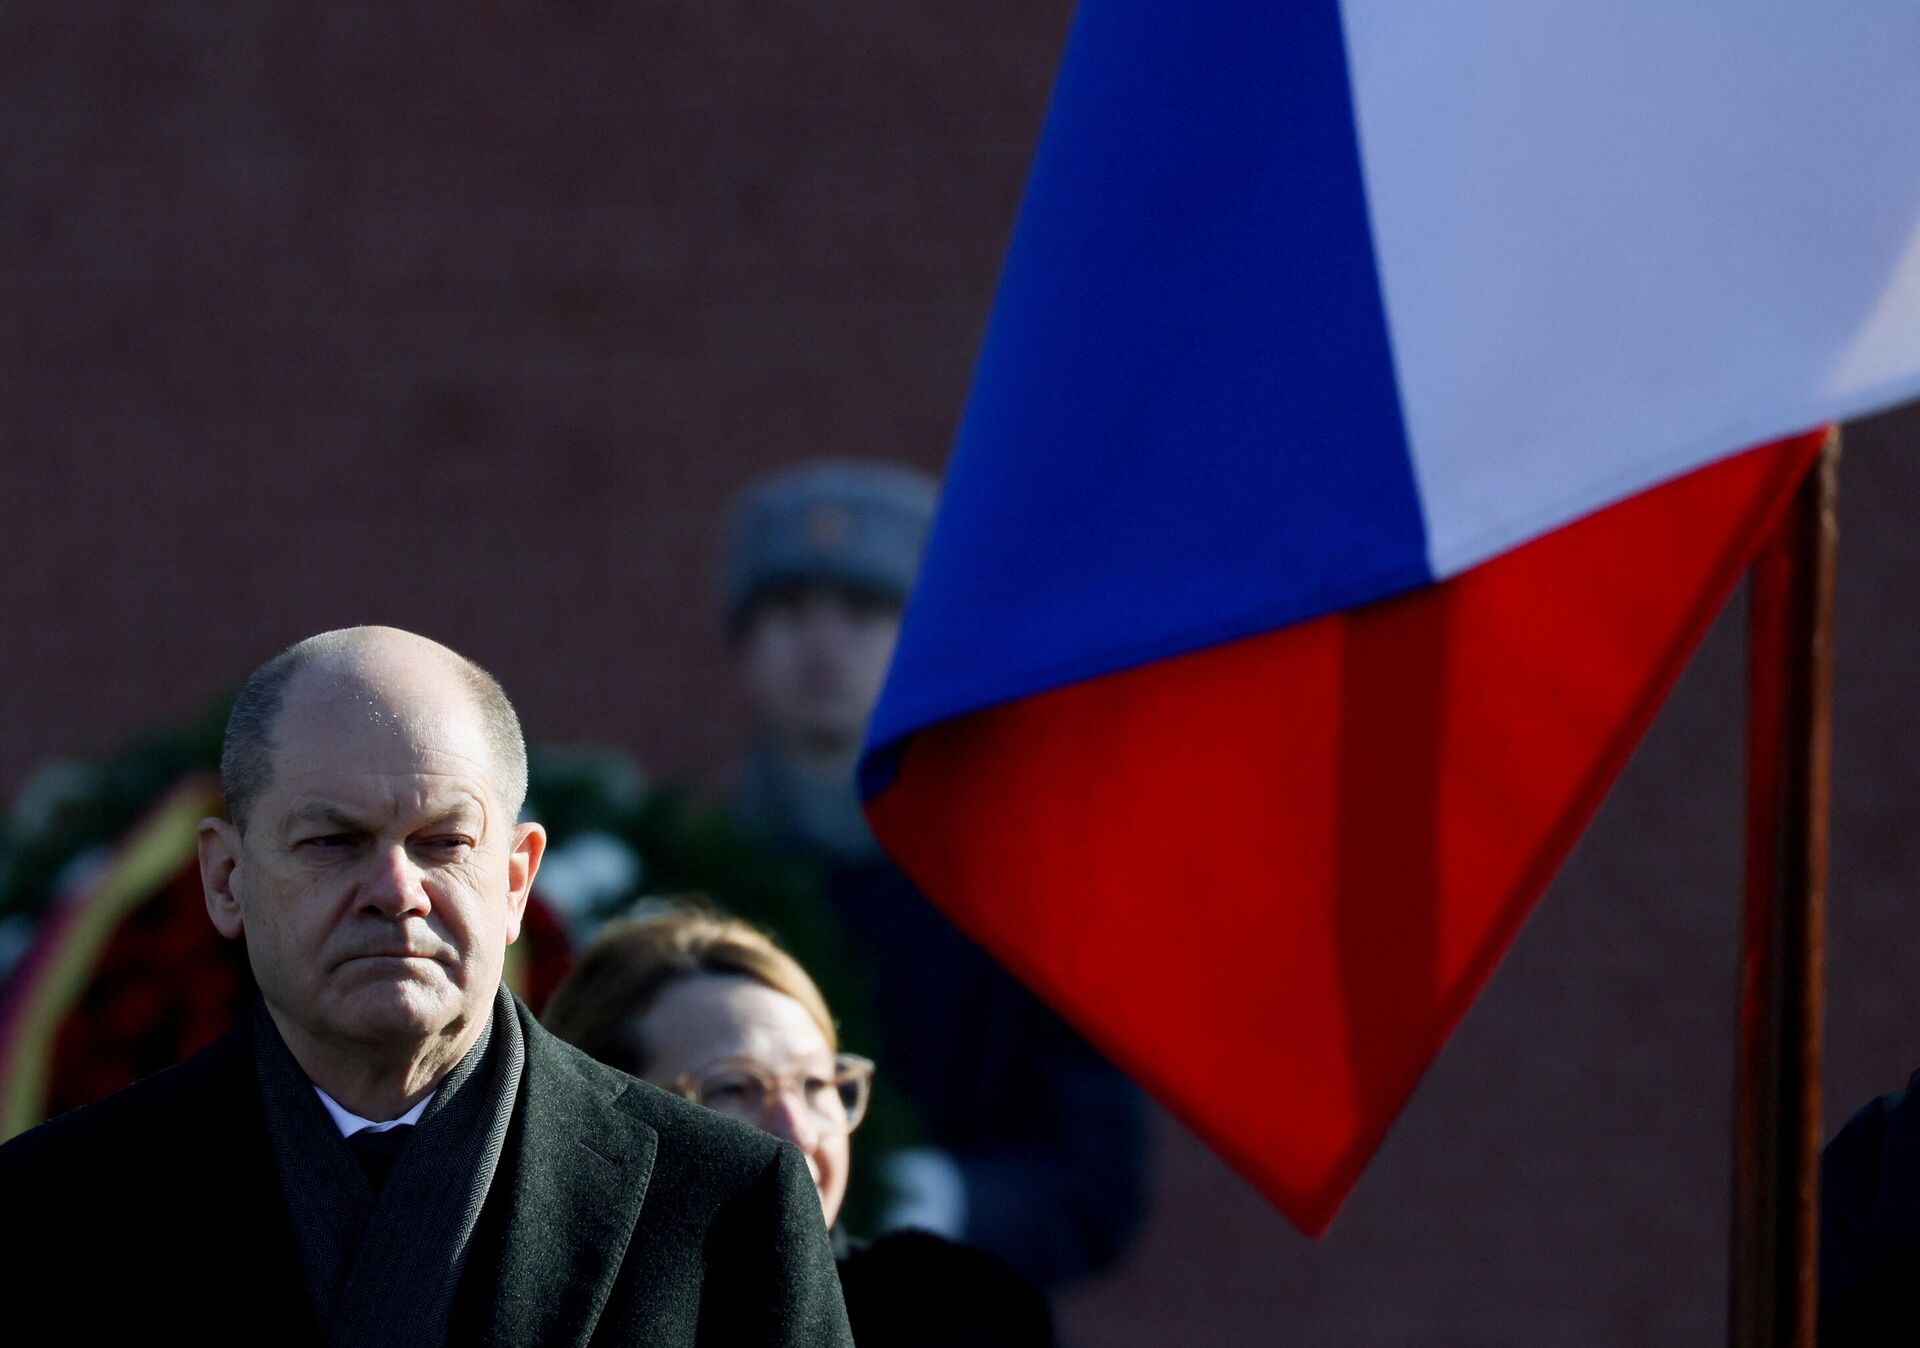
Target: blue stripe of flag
point(1184, 426)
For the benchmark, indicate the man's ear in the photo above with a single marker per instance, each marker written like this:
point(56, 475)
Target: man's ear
point(523, 862)
point(219, 857)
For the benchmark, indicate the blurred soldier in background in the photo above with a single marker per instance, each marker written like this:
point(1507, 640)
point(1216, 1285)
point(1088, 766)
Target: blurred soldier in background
point(1036, 1148)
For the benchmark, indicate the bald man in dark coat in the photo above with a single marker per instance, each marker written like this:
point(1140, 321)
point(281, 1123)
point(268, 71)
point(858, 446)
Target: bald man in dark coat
point(391, 1150)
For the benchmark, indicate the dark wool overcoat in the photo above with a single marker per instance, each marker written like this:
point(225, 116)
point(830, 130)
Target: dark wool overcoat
point(620, 1214)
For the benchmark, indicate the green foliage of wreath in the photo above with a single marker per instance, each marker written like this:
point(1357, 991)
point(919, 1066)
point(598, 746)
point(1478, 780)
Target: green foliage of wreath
point(68, 809)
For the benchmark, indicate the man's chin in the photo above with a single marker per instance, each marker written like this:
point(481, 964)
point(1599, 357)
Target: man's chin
point(382, 1005)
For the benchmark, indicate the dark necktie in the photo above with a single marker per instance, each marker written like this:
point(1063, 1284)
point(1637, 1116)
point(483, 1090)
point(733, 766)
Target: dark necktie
point(375, 1150)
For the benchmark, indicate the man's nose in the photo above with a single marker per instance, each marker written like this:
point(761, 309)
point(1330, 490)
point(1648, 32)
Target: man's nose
point(394, 889)
point(789, 1119)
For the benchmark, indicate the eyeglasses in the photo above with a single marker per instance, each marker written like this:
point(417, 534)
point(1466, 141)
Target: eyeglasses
point(748, 1092)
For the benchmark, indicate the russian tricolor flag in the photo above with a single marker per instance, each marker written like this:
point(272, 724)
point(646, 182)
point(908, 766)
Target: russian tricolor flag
point(1352, 463)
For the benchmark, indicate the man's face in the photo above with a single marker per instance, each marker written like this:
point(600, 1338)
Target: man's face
point(812, 659)
point(378, 882)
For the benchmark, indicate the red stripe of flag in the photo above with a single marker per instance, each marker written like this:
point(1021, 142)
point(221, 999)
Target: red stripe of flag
point(1269, 878)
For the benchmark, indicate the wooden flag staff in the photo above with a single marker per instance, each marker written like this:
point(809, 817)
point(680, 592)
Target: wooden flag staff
point(1789, 732)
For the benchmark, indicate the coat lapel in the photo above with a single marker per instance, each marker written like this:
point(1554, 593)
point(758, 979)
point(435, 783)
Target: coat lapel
point(222, 1180)
point(577, 1175)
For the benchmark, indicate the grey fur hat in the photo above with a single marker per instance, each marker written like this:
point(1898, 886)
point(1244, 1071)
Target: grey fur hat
point(857, 524)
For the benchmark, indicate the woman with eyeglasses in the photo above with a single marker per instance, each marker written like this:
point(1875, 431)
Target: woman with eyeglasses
point(710, 1008)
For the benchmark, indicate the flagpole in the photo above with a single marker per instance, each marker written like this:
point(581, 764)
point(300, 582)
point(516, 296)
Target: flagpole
point(1777, 1126)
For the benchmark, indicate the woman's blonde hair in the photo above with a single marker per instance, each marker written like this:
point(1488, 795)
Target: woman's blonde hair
point(618, 978)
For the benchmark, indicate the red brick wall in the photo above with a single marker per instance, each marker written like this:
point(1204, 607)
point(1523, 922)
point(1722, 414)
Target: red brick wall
point(470, 317)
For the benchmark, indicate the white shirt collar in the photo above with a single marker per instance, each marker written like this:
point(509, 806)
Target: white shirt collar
point(350, 1123)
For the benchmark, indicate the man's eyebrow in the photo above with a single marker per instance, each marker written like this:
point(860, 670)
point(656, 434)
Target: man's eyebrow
point(460, 811)
point(318, 812)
